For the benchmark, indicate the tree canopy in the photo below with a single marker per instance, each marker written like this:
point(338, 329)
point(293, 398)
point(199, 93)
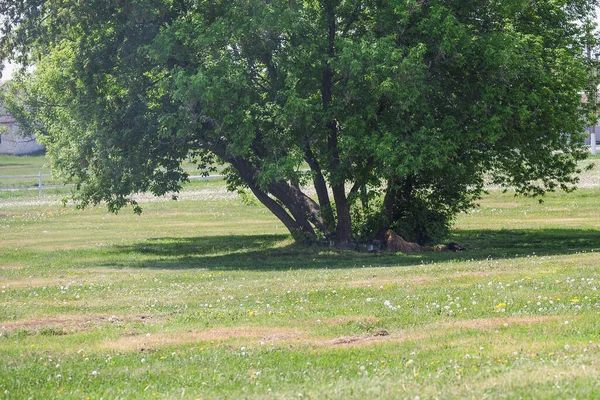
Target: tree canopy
point(343, 117)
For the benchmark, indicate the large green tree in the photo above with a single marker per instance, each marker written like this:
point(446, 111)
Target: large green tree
point(392, 112)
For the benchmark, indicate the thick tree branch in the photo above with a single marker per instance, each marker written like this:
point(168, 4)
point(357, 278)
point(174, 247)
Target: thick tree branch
point(344, 222)
point(320, 186)
point(247, 174)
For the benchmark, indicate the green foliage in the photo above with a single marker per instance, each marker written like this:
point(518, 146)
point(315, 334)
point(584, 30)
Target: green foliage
point(368, 94)
point(422, 222)
point(247, 198)
point(367, 221)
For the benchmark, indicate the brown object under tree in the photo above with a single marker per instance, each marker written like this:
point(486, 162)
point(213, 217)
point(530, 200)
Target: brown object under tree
point(395, 244)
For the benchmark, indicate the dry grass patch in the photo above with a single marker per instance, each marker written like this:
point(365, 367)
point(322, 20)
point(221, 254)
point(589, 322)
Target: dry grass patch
point(11, 267)
point(69, 323)
point(47, 243)
point(151, 341)
point(35, 283)
point(432, 331)
point(349, 319)
point(361, 339)
point(294, 336)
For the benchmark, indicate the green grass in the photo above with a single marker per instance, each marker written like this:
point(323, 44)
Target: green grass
point(209, 298)
point(23, 165)
point(19, 171)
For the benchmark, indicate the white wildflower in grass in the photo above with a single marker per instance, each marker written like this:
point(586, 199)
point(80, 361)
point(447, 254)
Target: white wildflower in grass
point(389, 305)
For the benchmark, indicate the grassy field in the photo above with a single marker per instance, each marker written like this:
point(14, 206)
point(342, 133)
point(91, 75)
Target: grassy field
point(22, 171)
point(209, 298)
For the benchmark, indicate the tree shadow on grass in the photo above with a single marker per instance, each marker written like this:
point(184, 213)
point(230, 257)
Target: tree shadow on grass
point(277, 252)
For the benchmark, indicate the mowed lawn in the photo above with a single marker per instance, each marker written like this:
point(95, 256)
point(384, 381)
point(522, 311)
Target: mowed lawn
point(208, 297)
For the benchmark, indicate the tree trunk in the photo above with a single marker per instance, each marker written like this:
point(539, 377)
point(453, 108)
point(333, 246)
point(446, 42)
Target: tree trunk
point(303, 208)
point(298, 225)
point(321, 189)
point(299, 232)
point(343, 230)
point(389, 200)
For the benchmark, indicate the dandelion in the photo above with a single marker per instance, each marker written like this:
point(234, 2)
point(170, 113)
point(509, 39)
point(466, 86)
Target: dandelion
point(388, 304)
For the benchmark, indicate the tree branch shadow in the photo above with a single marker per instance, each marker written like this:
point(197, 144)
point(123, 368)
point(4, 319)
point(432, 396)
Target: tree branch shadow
point(277, 252)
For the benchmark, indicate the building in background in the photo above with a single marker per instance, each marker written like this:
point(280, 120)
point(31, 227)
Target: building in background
point(11, 142)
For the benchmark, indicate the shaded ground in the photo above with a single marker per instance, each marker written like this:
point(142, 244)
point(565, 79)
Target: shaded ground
point(262, 252)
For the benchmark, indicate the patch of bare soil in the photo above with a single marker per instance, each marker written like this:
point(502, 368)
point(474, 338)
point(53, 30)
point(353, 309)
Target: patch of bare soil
point(68, 323)
point(431, 331)
point(349, 319)
point(139, 341)
point(359, 339)
point(150, 341)
point(295, 336)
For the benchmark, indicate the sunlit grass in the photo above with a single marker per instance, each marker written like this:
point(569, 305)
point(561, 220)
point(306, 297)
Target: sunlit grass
point(208, 297)
point(23, 171)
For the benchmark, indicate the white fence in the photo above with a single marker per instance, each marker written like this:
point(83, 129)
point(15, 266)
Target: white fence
point(40, 185)
point(40, 181)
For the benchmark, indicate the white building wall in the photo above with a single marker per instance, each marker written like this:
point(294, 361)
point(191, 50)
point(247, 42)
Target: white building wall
point(589, 136)
point(12, 143)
